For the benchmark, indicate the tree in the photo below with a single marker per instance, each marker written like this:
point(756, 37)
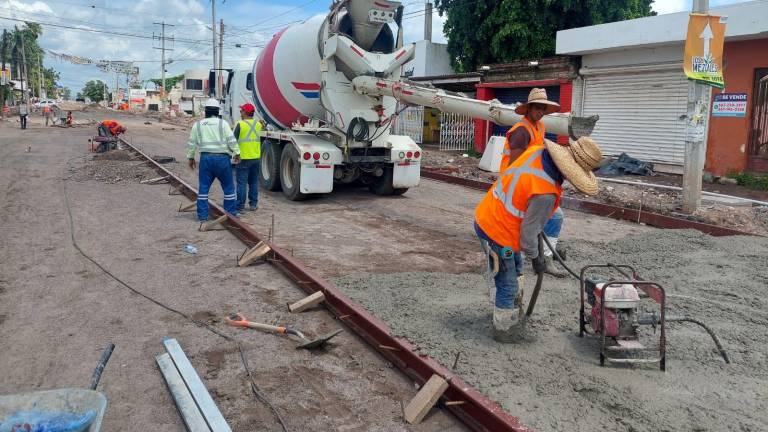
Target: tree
point(65, 93)
point(497, 31)
point(34, 54)
point(94, 90)
point(169, 81)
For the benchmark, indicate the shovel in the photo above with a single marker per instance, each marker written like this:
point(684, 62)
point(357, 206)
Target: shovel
point(237, 320)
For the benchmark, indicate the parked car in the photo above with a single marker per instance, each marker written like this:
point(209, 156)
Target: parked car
point(44, 103)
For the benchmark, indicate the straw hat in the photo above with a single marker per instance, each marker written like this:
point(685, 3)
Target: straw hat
point(576, 162)
point(539, 96)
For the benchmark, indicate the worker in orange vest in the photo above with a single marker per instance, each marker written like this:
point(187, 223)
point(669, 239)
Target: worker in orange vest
point(529, 132)
point(113, 127)
point(514, 211)
point(47, 114)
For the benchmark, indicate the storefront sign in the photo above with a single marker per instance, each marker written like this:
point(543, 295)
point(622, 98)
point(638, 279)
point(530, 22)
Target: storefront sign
point(703, 58)
point(730, 105)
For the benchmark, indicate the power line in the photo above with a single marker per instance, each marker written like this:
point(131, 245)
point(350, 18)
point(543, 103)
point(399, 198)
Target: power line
point(133, 35)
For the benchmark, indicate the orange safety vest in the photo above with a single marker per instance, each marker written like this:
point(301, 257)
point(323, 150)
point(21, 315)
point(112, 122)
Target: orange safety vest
point(536, 134)
point(111, 125)
point(500, 214)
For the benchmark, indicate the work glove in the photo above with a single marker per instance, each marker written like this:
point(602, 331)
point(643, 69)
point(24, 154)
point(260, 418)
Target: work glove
point(192, 163)
point(539, 264)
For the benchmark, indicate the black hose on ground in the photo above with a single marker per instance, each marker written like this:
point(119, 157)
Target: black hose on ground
point(704, 326)
point(559, 258)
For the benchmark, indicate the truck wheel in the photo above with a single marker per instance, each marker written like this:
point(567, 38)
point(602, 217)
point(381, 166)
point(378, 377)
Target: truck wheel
point(290, 173)
point(383, 185)
point(270, 165)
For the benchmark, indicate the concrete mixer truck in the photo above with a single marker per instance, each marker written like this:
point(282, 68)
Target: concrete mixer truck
point(328, 89)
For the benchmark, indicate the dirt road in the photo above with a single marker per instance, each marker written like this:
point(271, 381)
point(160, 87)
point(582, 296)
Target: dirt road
point(57, 310)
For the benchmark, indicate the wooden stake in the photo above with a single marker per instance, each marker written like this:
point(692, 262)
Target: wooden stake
point(189, 207)
point(207, 226)
point(306, 302)
point(253, 254)
point(154, 180)
point(425, 399)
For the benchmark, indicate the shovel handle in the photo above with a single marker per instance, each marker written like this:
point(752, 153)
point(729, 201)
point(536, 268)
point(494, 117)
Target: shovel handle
point(237, 320)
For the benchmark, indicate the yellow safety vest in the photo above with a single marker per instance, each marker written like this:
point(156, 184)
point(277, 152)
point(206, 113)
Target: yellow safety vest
point(248, 139)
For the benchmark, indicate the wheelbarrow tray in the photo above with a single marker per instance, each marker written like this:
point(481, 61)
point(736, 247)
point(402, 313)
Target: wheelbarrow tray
point(72, 400)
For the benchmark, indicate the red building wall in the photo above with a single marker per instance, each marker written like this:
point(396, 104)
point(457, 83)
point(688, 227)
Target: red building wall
point(728, 142)
point(486, 91)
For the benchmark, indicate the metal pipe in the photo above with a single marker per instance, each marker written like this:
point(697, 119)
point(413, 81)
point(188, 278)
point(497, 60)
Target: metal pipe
point(676, 188)
point(495, 111)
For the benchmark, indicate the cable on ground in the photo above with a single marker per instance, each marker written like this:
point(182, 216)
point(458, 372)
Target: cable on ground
point(254, 388)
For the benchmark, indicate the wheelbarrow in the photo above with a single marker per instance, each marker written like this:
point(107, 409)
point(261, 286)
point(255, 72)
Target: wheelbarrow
point(60, 410)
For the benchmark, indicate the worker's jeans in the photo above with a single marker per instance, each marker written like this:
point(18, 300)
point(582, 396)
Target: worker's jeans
point(506, 279)
point(23, 119)
point(247, 179)
point(554, 224)
point(215, 166)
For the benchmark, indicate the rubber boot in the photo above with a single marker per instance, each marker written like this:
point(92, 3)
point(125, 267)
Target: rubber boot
point(507, 326)
point(555, 269)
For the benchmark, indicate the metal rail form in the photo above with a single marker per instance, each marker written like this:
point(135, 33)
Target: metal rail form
point(600, 209)
point(477, 411)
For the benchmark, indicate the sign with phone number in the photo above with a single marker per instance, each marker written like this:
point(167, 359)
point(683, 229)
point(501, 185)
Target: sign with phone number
point(730, 105)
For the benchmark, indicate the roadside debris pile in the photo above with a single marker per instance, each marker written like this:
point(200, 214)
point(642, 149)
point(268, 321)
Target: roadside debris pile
point(113, 167)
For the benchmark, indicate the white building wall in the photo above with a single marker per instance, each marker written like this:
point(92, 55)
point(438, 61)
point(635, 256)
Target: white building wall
point(431, 59)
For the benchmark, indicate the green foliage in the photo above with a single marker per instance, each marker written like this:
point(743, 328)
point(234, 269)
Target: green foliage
point(497, 31)
point(751, 181)
point(35, 55)
point(169, 82)
point(94, 90)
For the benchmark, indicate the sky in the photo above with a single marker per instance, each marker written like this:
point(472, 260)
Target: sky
point(247, 23)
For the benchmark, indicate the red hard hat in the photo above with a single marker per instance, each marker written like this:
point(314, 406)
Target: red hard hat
point(248, 107)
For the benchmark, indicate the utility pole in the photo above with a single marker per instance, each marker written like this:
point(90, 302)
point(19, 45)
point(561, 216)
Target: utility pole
point(24, 96)
point(104, 94)
point(695, 145)
point(213, 32)
point(3, 53)
point(428, 21)
point(219, 83)
point(40, 80)
point(115, 95)
point(163, 49)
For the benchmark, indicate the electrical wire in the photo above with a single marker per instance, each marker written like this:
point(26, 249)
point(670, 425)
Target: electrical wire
point(254, 388)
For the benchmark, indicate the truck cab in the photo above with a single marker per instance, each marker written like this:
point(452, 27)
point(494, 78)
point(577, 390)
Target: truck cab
point(238, 91)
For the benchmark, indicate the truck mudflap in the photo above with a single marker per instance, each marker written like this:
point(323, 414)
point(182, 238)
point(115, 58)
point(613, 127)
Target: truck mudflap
point(317, 159)
point(405, 155)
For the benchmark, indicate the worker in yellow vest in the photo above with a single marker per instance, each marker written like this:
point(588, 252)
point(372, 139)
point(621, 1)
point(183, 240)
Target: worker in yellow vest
point(247, 134)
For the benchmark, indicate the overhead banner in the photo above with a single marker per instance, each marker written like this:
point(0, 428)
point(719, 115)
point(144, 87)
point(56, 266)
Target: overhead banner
point(703, 60)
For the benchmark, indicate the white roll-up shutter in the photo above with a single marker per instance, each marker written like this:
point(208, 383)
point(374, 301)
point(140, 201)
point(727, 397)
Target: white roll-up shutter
point(640, 113)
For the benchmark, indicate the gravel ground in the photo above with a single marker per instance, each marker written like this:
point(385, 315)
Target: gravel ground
point(553, 382)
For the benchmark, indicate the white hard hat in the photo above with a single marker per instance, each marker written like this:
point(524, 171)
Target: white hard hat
point(212, 103)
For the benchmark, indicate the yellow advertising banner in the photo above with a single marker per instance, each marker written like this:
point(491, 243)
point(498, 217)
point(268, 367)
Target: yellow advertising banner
point(703, 58)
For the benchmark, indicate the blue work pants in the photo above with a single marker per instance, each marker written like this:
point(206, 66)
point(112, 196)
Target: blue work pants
point(510, 265)
point(215, 166)
point(247, 179)
point(554, 224)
